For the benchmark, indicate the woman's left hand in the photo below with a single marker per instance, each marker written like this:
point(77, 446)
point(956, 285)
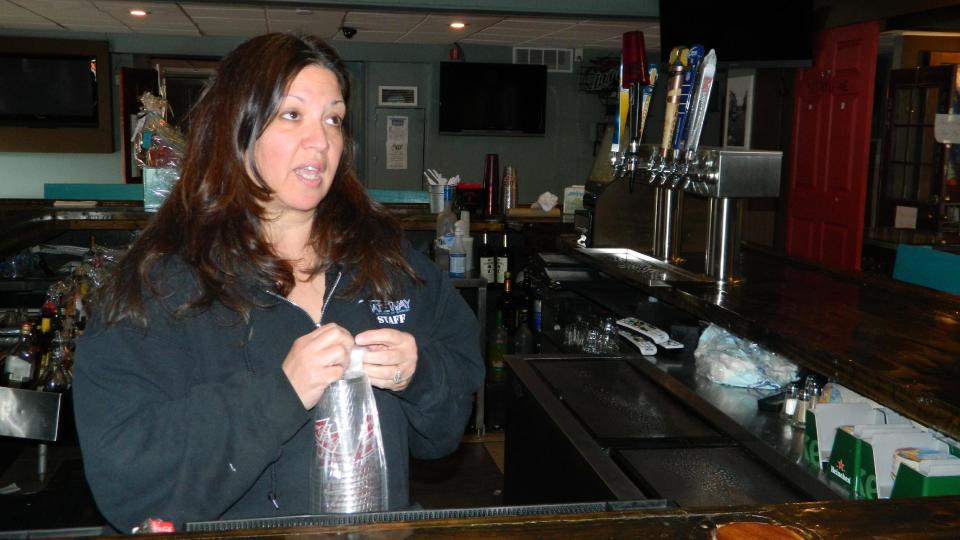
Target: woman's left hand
point(391, 357)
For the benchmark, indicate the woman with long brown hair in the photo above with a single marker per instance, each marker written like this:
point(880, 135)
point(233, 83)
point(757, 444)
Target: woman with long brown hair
point(240, 301)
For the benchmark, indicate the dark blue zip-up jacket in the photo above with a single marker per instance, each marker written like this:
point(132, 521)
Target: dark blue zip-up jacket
point(192, 418)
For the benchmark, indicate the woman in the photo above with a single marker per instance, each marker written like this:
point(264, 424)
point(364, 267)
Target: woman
point(241, 300)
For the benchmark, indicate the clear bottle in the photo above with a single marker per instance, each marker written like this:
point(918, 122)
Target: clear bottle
point(445, 230)
point(467, 241)
point(22, 362)
point(523, 337)
point(55, 377)
point(488, 264)
point(458, 253)
point(499, 340)
point(503, 260)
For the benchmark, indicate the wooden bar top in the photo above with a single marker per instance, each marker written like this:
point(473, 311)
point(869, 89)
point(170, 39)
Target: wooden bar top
point(904, 519)
point(896, 343)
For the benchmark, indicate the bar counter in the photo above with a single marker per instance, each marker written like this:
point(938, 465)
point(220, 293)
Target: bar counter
point(28, 222)
point(910, 519)
point(896, 343)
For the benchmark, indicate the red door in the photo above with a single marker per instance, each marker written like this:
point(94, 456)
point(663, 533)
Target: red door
point(831, 146)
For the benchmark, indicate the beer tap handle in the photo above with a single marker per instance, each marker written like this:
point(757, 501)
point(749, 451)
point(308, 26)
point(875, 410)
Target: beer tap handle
point(673, 99)
point(646, 97)
point(691, 70)
point(701, 97)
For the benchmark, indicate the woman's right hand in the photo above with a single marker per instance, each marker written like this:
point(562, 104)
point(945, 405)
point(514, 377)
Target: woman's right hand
point(316, 360)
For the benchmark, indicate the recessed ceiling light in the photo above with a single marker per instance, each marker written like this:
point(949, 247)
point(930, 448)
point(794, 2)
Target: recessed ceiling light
point(303, 11)
point(139, 12)
point(457, 25)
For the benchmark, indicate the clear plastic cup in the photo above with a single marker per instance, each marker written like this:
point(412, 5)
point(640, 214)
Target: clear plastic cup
point(349, 472)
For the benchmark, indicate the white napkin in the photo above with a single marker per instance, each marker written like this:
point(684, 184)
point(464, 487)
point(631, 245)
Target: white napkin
point(546, 201)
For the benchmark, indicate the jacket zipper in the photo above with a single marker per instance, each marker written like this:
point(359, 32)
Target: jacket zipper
point(272, 494)
point(323, 308)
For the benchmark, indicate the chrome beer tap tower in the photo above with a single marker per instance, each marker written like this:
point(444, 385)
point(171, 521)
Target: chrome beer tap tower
point(679, 166)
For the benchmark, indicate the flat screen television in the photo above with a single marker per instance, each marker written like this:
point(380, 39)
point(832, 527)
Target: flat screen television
point(55, 96)
point(745, 33)
point(493, 99)
point(48, 91)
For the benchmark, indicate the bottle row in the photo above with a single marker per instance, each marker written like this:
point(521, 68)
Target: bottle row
point(42, 357)
point(518, 325)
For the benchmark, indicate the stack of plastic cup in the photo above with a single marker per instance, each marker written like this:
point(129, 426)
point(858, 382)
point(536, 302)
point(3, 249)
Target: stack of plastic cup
point(349, 472)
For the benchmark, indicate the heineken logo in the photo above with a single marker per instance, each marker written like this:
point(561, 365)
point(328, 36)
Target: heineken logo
point(837, 470)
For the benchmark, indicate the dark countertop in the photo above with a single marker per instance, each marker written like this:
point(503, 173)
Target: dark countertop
point(902, 519)
point(27, 222)
point(894, 342)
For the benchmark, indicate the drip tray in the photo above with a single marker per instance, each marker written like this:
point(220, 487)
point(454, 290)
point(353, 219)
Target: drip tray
point(723, 476)
point(615, 402)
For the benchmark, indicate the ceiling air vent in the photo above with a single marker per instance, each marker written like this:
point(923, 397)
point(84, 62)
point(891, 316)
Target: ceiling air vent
point(397, 96)
point(555, 59)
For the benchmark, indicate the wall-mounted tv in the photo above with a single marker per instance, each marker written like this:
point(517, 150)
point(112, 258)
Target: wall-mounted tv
point(55, 96)
point(48, 91)
point(492, 99)
point(745, 33)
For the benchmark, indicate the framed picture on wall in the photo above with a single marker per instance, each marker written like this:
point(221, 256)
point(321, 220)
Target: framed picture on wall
point(738, 108)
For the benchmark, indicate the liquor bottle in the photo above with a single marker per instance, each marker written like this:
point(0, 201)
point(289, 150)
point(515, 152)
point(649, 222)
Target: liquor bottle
point(445, 231)
point(21, 363)
point(54, 377)
point(503, 260)
point(497, 349)
point(458, 254)
point(507, 306)
point(488, 265)
point(44, 333)
point(523, 337)
point(536, 317)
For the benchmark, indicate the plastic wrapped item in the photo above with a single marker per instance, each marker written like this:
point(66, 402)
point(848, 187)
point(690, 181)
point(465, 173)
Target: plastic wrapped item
point(157, 183)
point(726, 359)
point(159, 144)
point(349, 472)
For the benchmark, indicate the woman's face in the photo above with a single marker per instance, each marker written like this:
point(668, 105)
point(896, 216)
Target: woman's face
point(299, 151)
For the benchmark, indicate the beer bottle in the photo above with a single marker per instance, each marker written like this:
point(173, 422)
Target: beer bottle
point(488, 265)
point(21, 363)
point(503, 260)
point(497, 350)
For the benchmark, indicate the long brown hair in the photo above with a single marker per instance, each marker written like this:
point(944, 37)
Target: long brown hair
point(212, 219)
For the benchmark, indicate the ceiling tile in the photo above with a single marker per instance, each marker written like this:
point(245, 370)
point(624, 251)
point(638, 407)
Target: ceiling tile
point(313, 15)
point(384, 21)
point(535, 24)
point(116, 28)
point(373, 36)
point(430, 37)
point(472, 21)
point(66, 12)
point(236, 13)
point(221, 27)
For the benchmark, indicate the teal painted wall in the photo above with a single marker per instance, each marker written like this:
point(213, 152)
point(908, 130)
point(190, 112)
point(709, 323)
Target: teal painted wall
point(562, 157)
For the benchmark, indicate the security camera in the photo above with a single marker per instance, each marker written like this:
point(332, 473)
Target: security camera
point(348, 32)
